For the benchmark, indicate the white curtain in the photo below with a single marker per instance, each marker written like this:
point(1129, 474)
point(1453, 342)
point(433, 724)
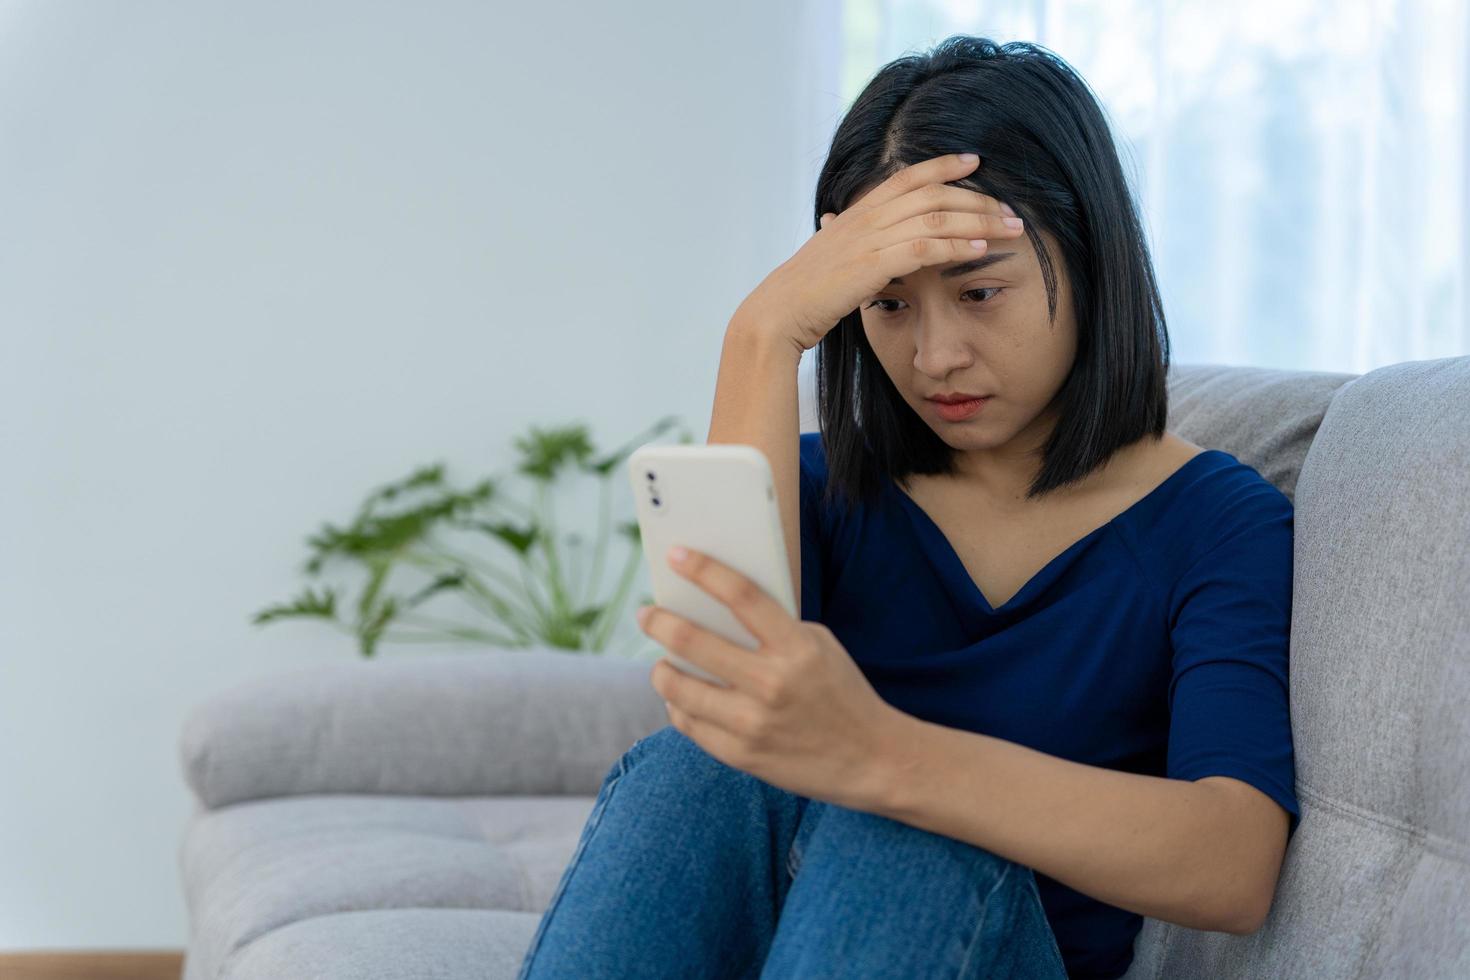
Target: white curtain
point(1301, 165)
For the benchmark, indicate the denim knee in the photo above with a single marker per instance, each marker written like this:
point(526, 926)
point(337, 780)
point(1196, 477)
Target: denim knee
point(675, 756)
point(884, 834)
point(673, 747)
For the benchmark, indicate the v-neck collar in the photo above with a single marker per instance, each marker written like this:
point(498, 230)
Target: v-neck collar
point(939, 545)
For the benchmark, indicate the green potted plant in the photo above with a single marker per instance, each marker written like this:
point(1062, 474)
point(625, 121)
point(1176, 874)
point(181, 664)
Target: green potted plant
point(550, 598)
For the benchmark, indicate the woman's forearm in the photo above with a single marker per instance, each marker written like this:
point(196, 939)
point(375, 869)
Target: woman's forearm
point(1185, 852)
point(756, 405)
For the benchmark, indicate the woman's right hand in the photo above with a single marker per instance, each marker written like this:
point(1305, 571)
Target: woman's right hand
point(911, 220)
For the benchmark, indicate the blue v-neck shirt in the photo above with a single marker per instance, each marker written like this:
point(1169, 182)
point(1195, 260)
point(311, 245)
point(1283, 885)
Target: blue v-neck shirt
point(1154, 644)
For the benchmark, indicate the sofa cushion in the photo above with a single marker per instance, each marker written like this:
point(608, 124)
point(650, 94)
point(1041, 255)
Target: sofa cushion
point(1264, 417)
point(392, 944)
point(529, 721)
point(253, 868)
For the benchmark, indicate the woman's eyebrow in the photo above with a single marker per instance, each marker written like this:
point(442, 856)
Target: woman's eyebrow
point(964, 268)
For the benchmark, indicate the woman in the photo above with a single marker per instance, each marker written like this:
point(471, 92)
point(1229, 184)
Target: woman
point(1038, 687)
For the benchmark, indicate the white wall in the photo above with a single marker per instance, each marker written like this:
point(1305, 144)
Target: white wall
point(256, 259)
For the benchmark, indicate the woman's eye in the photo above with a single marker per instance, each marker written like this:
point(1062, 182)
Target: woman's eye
point(983, 289)
point(992, 290)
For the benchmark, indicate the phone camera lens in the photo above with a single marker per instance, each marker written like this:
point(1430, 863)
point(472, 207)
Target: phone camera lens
point(655, 501)
point(649, 474)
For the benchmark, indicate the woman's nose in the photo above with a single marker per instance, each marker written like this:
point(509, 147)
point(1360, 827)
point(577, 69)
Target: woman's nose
point(938, 352)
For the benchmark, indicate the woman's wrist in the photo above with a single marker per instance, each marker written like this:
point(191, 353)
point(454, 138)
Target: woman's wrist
point(765, 330)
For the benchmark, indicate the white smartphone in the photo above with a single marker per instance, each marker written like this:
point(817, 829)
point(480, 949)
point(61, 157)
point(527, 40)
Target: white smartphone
point(719, 500)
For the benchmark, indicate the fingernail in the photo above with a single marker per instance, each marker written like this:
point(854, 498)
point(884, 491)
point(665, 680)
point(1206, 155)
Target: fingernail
point(1006, 209)
point(678, 553)
point(642, 615)
point(969, 157)
point(1011, 222)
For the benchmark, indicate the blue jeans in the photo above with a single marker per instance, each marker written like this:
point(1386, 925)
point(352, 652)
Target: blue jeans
point(688, 867)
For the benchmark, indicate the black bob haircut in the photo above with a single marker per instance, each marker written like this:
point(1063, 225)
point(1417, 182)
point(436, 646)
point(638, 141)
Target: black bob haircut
point(1046, 150)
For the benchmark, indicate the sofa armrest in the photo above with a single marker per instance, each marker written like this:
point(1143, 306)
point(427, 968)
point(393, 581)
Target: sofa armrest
point(533, 721)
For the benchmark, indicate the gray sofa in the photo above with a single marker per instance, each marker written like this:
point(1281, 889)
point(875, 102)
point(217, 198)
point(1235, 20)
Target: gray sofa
point(410, 817)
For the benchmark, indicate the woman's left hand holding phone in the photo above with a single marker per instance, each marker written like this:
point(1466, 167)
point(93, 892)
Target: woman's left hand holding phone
point(798, 713)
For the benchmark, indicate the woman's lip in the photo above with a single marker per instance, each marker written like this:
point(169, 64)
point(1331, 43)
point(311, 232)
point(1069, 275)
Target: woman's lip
point(967, 398)
point(959, 411)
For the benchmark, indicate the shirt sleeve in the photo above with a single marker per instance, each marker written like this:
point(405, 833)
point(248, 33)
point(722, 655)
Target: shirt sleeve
point(812, 483)
point(1229, 627)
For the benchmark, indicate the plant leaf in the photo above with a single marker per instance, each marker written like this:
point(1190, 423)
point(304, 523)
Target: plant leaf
point(519, 538)
point(545, 451)
point(451, 580)
point(306, 605)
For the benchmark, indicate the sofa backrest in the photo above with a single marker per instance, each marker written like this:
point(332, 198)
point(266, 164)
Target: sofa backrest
point(1377, 878)
point(1264, 417)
